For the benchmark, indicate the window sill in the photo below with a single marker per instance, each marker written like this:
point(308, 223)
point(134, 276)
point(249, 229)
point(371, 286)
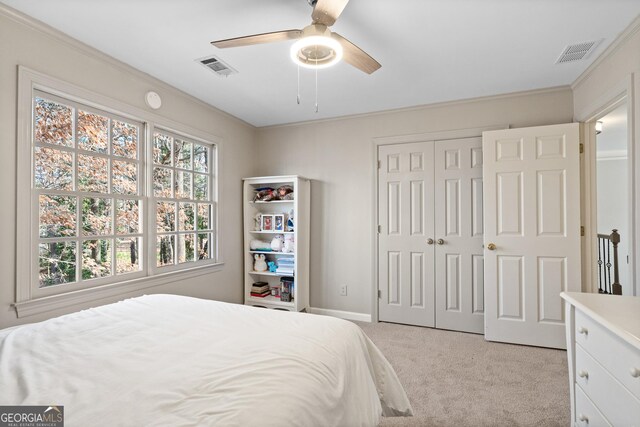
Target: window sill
point(54, 302)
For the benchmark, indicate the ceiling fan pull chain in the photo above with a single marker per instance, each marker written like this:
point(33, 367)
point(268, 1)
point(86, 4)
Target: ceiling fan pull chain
point(316, 86)
point(298, 95)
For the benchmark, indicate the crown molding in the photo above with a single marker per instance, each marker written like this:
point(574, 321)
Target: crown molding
point(619, 41)
point(34, 24)
point(443, 104)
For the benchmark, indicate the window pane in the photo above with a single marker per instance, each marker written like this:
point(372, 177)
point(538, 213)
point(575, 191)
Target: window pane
point(201, 187)
point(204, 216)
point(96, 259)
point(204, 250)
point(57, 262)
point(96, 216)
point(53, 123)
point(183, 184)
point(186, 250)
point(57, 216)
point(200, 158)
point(125, 139)
point(185, 216)
point(127, 216)
point(127, 255)
point(162, 149)
point(53, 169)
point(165, 216)
point(92, 132)
point(165, 248)
point(124, 177)
point(162, 180)
point(182, 154)
point(93, 175)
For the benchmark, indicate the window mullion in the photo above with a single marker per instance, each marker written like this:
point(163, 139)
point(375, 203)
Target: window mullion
point(79, 199)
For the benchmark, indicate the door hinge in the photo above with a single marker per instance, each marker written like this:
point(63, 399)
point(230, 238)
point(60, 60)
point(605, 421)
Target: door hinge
point(581, 148)
point(379, 164)
point(379, 229)
point(582, 230)
point(379, 293)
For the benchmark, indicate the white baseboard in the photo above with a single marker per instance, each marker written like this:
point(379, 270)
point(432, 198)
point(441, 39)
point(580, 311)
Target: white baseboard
point(348, 315)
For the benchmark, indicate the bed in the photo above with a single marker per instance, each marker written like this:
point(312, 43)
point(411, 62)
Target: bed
point(181, 361)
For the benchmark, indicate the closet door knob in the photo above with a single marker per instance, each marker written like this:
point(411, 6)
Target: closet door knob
point(491, 246)
point(583, 418)
point(429, 241)
point(582, 330)
point(635, 372)
point(583, 374)
point(440, 242)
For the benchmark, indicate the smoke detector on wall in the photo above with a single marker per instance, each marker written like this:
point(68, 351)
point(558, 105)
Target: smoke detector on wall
point(577, 52)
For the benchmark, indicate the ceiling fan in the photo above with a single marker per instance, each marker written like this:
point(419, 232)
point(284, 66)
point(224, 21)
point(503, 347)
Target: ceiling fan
point(316, 46)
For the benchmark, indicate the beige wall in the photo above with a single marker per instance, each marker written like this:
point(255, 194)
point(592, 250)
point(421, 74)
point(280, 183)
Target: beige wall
point(21, 44)
point(617, 69)
point(608, 72)
point(338, 156)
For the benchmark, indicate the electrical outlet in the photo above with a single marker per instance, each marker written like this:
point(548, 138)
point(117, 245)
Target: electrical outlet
point(343, 290)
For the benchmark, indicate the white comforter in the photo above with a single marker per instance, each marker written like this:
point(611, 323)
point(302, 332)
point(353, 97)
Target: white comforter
point(179, 361)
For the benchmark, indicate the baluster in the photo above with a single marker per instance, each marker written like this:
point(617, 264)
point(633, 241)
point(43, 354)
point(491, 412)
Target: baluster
point(607, 289)
point(616, 288)
point(600, 256)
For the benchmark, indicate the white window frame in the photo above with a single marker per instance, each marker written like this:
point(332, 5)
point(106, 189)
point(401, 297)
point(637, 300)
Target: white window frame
point(38, 292)
point(152, 200)
point(30, 299)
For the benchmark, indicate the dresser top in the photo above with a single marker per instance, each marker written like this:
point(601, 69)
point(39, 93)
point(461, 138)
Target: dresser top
point(620, 314)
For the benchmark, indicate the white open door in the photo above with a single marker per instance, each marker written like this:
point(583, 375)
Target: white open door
point(405, 212)
point(532, 232)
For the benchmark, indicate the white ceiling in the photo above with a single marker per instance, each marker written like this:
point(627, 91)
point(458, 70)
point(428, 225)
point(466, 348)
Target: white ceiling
point(430, 50)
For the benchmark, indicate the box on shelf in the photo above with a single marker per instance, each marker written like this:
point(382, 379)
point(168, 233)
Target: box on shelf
point(286, 289)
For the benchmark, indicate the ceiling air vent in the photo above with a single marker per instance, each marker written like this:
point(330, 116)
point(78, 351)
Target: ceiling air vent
point(576, 52)
point(217, 66)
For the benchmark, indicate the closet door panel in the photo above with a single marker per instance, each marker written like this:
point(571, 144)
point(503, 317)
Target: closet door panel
point(405, 212)
point(459, 222)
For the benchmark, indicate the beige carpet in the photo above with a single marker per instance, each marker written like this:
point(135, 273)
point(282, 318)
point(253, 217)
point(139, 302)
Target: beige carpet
point(458, 379)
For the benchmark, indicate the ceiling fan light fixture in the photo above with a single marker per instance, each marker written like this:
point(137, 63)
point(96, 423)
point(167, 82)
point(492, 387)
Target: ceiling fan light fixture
point(316, 52)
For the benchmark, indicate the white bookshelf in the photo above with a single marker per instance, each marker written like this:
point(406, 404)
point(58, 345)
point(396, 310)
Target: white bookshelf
point(300, 204)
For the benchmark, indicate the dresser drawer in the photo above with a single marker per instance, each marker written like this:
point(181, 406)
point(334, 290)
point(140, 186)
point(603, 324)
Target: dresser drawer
point(618, 357)
point(611, 398)
point(586, 412)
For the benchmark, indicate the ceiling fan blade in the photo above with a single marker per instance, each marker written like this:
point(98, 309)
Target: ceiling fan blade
point(275, 36)
point(327, 11)
point(356, 56)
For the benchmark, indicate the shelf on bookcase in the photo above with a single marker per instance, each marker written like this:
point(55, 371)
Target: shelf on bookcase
point(271, 232)
point(270, 299)
point(268, 273)
point(272, 253)
point(273, 201)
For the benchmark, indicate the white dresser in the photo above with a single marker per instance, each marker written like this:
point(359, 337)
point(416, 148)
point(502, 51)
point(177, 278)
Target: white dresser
point(603, 349)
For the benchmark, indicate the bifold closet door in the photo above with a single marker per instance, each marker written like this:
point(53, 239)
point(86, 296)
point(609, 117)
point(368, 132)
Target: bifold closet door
point(459, 260)
point(405, 212)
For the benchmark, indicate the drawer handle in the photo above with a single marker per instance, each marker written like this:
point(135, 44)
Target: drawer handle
point(583, 330)
point(583, 418)
point(635, 372)
point(583, 374)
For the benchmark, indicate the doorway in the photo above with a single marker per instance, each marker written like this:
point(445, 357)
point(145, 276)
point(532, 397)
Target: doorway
point(612, 202)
